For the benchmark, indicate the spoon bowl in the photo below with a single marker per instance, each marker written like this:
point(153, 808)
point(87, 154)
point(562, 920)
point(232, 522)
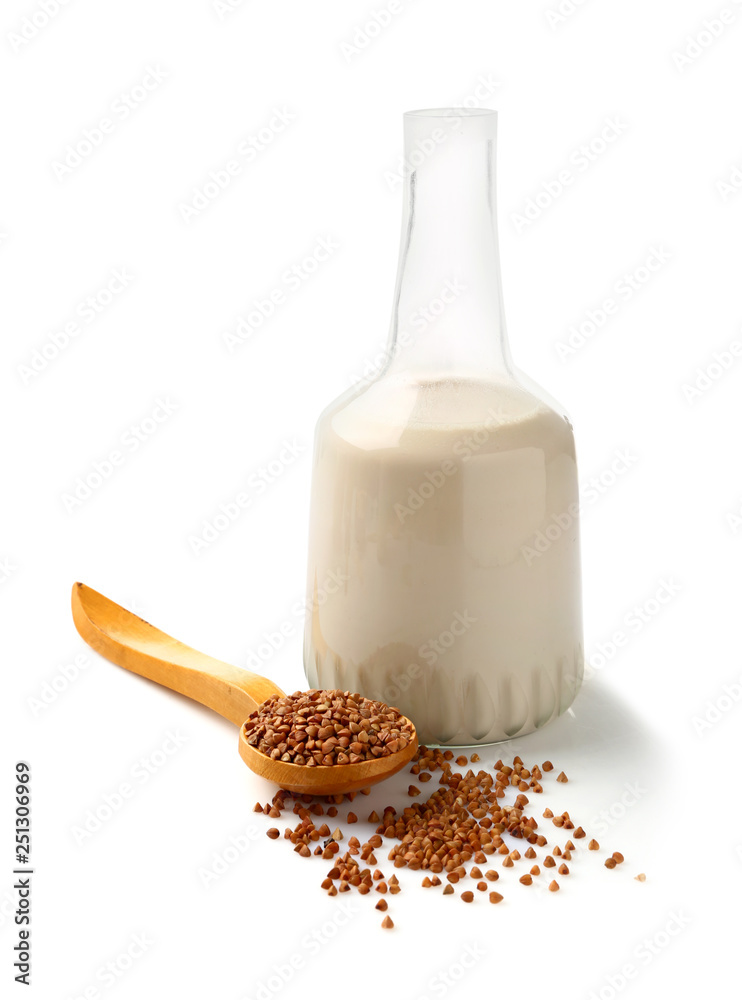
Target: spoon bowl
point(321, 780)
point(235, 694)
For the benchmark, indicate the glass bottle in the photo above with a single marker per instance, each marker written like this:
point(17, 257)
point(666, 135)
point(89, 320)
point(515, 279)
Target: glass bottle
point(444, 566)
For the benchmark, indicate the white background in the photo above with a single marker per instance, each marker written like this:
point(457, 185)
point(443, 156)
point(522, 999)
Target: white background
point(653, 716)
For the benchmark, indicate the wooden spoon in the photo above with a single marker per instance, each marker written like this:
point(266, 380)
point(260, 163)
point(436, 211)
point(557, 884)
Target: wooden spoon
point(133, 643)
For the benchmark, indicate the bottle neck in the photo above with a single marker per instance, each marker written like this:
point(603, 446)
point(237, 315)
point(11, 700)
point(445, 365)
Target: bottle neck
point(448, 316)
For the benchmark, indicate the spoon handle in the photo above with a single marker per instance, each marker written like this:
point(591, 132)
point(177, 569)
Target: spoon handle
point(134, 644)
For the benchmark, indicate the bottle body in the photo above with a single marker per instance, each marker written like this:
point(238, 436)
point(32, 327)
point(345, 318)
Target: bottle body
point(444, 565)
point(444, 559)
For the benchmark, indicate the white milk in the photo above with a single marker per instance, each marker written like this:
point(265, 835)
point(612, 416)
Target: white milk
point(448, 510)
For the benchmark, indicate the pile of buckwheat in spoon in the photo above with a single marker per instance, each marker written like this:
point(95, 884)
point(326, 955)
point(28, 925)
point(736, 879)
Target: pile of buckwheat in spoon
point(326, 728)
point(462, 823)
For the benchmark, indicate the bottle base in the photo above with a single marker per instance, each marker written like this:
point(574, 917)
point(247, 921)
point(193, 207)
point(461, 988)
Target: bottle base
point(469, 712)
